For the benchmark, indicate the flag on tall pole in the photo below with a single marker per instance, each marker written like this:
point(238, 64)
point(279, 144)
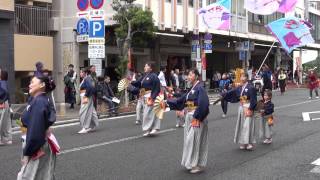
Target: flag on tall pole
point(291, 32)
point(267, 7)
point(216, 15)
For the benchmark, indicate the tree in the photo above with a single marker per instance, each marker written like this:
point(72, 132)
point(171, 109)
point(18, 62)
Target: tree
point(133, 23)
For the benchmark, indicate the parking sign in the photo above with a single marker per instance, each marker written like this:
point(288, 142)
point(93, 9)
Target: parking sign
point(96, 29)
point(82, 26)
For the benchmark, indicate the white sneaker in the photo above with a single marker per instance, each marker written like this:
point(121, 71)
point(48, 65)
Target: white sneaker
point(317, 97)
point(146, 134)
point(223, 115)
point(83, 131)
point(195, 170)
point(177, 125)
point(90, 129)
point(153, 132)
point(310, 97)
point(249, 147)
point(242, 147)
point(138, 122)
point(267, 141)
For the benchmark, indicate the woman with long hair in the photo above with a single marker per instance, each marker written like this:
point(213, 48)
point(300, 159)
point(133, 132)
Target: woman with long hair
point(88, 113)
point(195, 103)
point(39, 153)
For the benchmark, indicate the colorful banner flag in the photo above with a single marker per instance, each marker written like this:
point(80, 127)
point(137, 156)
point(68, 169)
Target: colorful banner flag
point(291, 32)
point(216, 15)
point(267, 7)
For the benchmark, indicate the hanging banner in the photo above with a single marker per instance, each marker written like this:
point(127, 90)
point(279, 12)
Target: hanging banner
point(267, 7)
point(216, 15)
point(291, 32)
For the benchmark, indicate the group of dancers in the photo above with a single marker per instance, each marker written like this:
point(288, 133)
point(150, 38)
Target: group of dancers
point(39, 149)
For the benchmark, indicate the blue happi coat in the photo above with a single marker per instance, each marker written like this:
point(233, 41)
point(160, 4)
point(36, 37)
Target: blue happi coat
point(149, 81)
point(198, 96)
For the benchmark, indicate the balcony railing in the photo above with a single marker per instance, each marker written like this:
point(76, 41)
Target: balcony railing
point(31, 20)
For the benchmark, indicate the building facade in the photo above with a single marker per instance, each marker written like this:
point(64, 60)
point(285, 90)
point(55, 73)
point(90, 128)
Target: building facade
point(7, 40)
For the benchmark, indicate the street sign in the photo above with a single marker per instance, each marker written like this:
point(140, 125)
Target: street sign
point(96, 4)
point(83, 5)
point(82, 38)
point(96, 14)
point(83, 14)
point(96, 41)
point(82, 26)
point(246, 45)
point(242, 55)
point(96, 51)
point(207, 48)
point(98, 64)
point(96, 29)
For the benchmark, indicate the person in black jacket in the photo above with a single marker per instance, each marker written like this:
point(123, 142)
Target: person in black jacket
point(267, 118)
point(106, 94)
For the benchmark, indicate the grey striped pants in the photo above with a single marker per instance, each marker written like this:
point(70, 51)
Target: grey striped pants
point(195, 146)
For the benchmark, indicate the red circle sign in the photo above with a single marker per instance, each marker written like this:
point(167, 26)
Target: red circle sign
point(96, 4)
point(83, 5)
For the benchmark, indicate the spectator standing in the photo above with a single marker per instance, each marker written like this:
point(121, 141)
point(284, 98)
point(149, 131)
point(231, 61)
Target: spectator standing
point(70, 86)
point(5, 119)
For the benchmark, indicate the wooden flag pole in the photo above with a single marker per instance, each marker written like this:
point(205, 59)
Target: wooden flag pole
point(265, 58)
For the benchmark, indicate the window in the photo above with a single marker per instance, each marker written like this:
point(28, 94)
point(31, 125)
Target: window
point(178, 1)
point(315, 31)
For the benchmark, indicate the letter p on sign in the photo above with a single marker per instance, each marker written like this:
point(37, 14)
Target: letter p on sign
point(96, 29)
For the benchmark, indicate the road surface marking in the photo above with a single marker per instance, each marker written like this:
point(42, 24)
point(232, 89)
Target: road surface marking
point(316, 162)
point(306, 116)
point(110, 142)
point(77, 123)
point(295, 104)
point(315, 170)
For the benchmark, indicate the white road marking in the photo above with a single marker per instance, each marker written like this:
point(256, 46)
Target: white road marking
point(306, 116)
point(110, 142)
point(77, 123)
point(316, 162)
point(295, 104)
point(315, 170)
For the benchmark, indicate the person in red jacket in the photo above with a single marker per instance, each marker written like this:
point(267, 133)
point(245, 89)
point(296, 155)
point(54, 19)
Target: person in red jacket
point(313, 83)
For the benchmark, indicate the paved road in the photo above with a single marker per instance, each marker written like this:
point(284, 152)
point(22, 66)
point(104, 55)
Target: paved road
point(117, 150)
